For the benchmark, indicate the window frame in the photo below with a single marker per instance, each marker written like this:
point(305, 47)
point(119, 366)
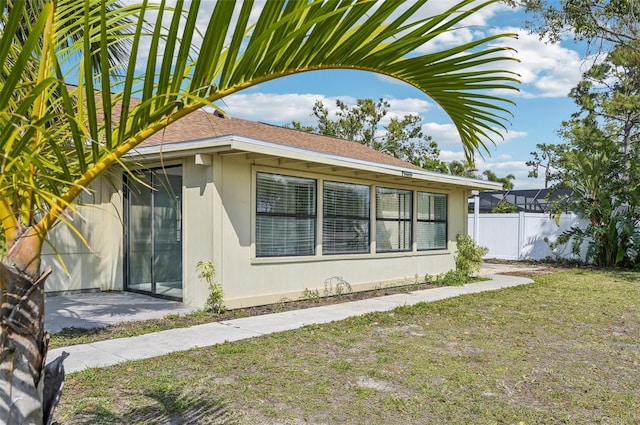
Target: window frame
point(365, 218)
point(445, 220)
point(399, 219)
point(313, 246)
point(313, 217)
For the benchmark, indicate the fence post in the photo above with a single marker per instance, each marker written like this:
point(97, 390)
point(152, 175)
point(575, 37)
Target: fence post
point(521, 227)
point(476, 216)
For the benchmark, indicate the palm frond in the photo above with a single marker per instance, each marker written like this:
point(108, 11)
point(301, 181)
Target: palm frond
point(113, 108)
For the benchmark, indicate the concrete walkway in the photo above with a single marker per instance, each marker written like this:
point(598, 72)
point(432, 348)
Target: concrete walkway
point(106, 353)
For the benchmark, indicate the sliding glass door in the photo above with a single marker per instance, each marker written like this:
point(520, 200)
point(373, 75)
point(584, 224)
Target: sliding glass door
point(153, 233)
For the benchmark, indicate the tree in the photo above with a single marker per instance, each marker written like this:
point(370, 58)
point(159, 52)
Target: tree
point(57, 139)
point(504, 207)
point(590, 165)
point(507, 181)
point(599, 161)
point(601, 23)
point(462, 169)
point(542, 158)
point(401, 137)
point(610, 93)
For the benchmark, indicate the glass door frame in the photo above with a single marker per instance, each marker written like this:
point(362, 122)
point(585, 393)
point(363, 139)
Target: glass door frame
point(127, 262)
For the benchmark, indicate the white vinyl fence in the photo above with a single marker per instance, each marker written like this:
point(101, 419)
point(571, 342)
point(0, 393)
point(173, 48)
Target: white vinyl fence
point(523, 236)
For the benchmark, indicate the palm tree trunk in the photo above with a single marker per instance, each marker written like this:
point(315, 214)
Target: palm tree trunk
point(24, 380)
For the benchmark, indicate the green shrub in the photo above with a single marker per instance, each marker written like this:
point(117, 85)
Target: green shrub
point(468, 261)
point(215, 302)
point(504, 207)
point(469, 256)
point(451, 278)
point(312, 295)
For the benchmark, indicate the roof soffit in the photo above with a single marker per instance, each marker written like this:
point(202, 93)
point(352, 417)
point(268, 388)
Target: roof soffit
point(273, 154)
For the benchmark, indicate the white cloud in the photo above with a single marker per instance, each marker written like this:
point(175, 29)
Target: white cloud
point(478, 18)
point(286, 107)
point(546, 70)
point(448, 156)
point(275, 108)
point(444, 134)
point(511, 135)
point(410, 105)
point(470, 28)
point(447, 135)
point(446, 40)
point(504, 165)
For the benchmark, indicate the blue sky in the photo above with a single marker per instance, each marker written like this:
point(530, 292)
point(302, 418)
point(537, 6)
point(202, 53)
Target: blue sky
point(547, 72)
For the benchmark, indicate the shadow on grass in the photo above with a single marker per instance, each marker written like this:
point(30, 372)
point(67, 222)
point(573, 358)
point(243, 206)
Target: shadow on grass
point(627, 276)
point(170, 407)
point(624, 275)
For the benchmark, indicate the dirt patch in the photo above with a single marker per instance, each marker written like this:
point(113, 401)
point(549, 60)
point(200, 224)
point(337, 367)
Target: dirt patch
point(523, 268)
point(535, 272)
point(383, 386)
point(328, 300)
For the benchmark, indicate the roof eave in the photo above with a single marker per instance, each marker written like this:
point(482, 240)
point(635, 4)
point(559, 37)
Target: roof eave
point(234, 143)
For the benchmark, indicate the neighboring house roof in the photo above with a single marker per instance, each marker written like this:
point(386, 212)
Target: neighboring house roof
point(527, 200)
point(202, 131)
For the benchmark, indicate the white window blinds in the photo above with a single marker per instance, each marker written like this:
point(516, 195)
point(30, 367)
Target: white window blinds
point(345, 224)
point(285, 215)
point(394, 208)
point(431, 221)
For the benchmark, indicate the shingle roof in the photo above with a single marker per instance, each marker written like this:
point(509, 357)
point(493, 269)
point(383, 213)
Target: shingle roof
point(201, 125)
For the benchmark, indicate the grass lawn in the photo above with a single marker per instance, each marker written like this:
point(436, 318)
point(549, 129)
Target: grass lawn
point(563, 350)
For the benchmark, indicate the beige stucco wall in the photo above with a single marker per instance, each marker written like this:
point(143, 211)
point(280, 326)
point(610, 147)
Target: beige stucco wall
point(248, 280)
point(200, 201)
point(218, 219)
point(96, 264)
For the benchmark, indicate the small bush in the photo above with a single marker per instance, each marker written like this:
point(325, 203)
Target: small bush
point(450, 278)
point(469, 257)
point(468, 261)
point(336, 286)
point(215, 302)
point(312, 295)
point(504, 207)
point(281, 305)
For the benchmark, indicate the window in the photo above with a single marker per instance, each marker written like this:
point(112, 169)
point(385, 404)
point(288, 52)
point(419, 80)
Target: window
point(285, 215)
point(432, 221)
point(345, 224)
point(393, 219)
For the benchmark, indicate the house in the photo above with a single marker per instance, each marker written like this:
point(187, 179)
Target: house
point(276, 210)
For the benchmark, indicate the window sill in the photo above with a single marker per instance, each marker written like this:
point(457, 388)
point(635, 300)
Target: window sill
point(347, 257)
